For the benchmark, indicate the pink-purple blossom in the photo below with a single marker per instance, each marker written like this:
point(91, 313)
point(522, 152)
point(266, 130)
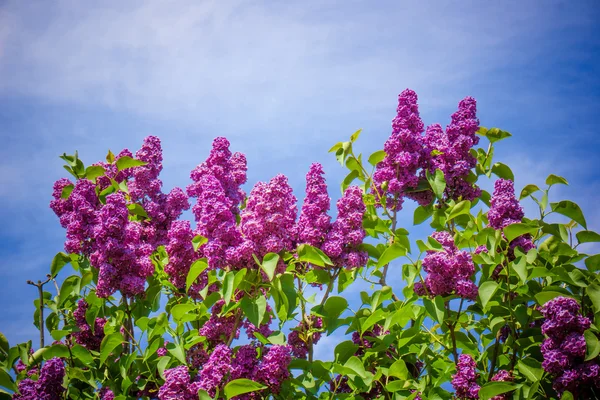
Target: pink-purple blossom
point(88, 337)
point(465, 379)
point(314, 221)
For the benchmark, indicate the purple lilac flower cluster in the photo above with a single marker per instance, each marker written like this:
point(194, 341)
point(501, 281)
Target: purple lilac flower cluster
point(88, 337)
point(450, 150)
point(314, 222)
point(299, 338)
point(222, 366)
point(49, 386)
point(117, 246)
point(219, 328)
point(181, 257)
point(342, 244)
point(503, 376)
point(506, 210)
point(465, 380)
point(448, 271)
point(106, 394)
point(564, 348)
point(405, 153)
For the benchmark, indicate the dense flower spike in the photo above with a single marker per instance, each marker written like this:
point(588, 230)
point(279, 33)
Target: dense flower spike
point(88, 338)
point(347, 233)
point(228, 169)
point(273, 369)
point(565, 347)
point(448, 271)
point(269, 217)
point(404, 153)
point(314, 222)
point(505, 208)
point(217, 223)
point(121, 253)
point(465, 380)
point(218, 329)
point(450, 150)
point(177, 385)
point(245, 363)
point(106, 394)
point(213, 373)
point(48, 386)
point(181, 257)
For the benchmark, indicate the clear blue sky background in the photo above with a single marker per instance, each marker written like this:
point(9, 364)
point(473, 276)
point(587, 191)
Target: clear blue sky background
point(283, 81)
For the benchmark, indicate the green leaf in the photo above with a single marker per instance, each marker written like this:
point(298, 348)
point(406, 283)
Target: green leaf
point(545, 296)
point(377, 157)
point(228, 286)
point(4, 343)
point(391, 253)
point(56, 350)
point(495, 134)
point(344, 351)
point(69, 285)
point(487, 291)
point(162, 365)
point(398, 369)
point(137, 209)
point(492, 389)
point(269, 264)
point(355, 135)
point(196, 269)
point(592, 345)
point(530, 368)
point(177, 351)
point(421, 214)
point(313, 255)
point(110, 343)
point(58, 262)
point(82, 354)
point(587, 236)
point(94, 171)
point(127, 162)
point(435, 308)
point(503, 171)
point(571, 210)
point(593, 263)
point(198, 241)
point(593, 291)
point(555, 179)
point(240, 386)
point(513, 231)
point(6, 381)
point(179, 310)
point(66, 192)
point(459, 209)
point(254, 309)
point(349, 179)
point(356, 366)
point(437, 182)
point(528, 190)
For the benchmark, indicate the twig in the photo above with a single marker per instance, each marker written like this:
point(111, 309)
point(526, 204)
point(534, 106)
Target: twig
point(40, 287)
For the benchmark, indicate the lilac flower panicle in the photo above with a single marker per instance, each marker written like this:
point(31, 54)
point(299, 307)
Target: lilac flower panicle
point(448, 271)
point(404, 153)
point(273, 370)
point(177, 385)
point(49, 386)
point(314, 222)
point(342, 244)
point(505, 208)
point(452, 150)
point(106, 394)
point(88, 337)
point(245, 363)
point(564, 348)
point(465, 379)
point(211, 376)
point(181, 257)
point(218, 329)
point(268, 220)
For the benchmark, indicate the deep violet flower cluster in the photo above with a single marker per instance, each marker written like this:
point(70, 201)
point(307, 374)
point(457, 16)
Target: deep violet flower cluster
point(106, 394)
point(503, 376)
point(269, 217)
point(88, 337)
point(222, 366)
point(465, 379)
point(506, 210)
point(219, 328)
point(450, 150)
point(314, 221)
point(405, 153)
point(181, 257)
point(565, 347)
point(298, 338)
point(49, 386)
point(448, 271)
point(342, 244)
point(117, 246)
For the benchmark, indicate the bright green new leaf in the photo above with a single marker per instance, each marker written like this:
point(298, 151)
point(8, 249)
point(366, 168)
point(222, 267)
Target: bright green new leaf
point(6, 380)
point(528, 190)
point(555, 179)
point(179, 310)
point(492, 389)
point(587, 236)
point(422, 214)
point(313, 255)
point(503, 171)
point(495, 134)
point(532, 369)
point(487, 291)
point(435, 308)
point(437, 182)
point(355, 135)
point(237, 387)
point(269, 264)
point(228, 286)
point(513, 231)
point(196, 269)
point(356, 366)
point(592, 345)
point(128, 162)
point(377, 157)
point(398, 370)
point(58, 262)
point(592, 263)
point(391, 253)
point(82, 354)
point(593, 291)
point(544, 297)
point(198, 241)
point(459, 209)
point(94, 171)
point(109, 344)
point(571, 210)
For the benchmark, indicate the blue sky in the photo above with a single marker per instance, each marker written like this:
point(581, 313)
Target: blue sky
point(283, 81)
